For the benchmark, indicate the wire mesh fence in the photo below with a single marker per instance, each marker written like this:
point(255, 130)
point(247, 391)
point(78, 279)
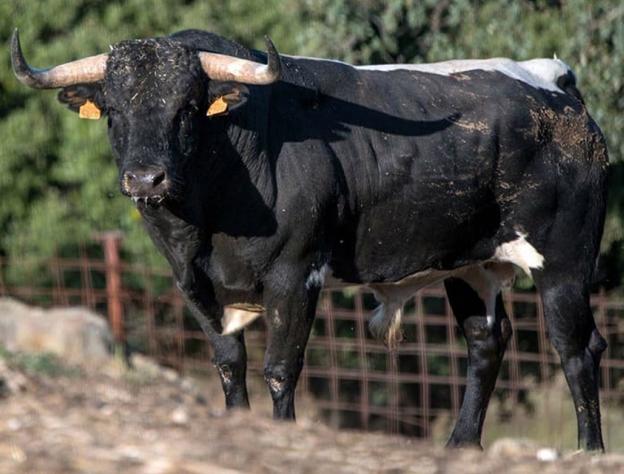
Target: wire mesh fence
point(354, 381)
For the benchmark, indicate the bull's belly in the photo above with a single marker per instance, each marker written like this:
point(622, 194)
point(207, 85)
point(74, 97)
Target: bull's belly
point(486, 278)
point(391, 295)
point(519, 252)
point(409, 283)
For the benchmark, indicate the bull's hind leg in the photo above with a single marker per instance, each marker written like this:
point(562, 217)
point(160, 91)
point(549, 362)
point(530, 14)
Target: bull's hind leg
point(573, 333)
point(478, 307)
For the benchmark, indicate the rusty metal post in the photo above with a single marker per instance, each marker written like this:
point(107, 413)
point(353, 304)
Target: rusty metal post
point(110, 244)
point(3, 286)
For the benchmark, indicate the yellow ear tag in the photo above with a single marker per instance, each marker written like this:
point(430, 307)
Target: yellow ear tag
point(90, 111)
point(218, 107)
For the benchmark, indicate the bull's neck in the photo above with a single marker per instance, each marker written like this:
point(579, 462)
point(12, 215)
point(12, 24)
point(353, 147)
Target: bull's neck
point(240, 198)
point(251, 155)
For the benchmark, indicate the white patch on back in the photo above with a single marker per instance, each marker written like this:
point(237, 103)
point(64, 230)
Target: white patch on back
point(549, 70)
point(541, 73)
point(310, 58)
point(521, 253)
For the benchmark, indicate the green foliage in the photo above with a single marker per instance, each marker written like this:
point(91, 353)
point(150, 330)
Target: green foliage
point(57, 179)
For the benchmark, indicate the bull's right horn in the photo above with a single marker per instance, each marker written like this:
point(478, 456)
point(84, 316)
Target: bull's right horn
point(90, 69)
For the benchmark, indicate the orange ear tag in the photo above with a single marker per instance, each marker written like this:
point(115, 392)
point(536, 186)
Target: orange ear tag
point(218, 107)
point(90, 111)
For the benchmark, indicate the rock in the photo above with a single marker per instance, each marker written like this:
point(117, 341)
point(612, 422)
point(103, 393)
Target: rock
point(170, 375)
point(180, 416)
point(547, 455)
point(77, 335)
point(145, 365)
point(14, 424)
point(509, 448)
point(11, 381)
point(188, 385)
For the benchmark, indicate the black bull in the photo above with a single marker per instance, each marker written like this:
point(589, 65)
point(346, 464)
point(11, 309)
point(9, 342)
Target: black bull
point(306, 171)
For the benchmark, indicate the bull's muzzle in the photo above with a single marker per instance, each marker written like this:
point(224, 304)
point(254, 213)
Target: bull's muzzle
point(149, 185)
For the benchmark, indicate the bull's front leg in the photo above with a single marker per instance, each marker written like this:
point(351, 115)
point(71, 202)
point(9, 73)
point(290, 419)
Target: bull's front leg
point(230, 355)
point(290, 302)
point(180, 243)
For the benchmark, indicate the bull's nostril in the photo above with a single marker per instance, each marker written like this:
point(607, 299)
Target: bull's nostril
point(159, 178)
point(145, 183)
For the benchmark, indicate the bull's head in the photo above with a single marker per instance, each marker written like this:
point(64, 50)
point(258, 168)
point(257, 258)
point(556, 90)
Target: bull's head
point(155, 92)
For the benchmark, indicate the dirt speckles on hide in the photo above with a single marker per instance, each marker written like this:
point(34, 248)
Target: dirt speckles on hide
point(573, 131)
point(461, 76)
point(473, 125)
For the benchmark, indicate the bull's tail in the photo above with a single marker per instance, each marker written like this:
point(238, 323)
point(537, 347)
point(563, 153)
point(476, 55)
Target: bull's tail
point(567, 83)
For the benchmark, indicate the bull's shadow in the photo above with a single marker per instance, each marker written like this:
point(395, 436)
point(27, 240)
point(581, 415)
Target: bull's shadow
point(332, 119)
point(298, 114)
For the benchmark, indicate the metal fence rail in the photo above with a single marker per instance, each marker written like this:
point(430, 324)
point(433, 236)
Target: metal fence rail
point(354, 380)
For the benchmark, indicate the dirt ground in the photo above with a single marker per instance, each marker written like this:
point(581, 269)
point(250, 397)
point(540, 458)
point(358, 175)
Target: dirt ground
point(149, 420)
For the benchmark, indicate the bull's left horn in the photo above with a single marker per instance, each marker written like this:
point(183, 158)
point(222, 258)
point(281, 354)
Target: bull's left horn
point(221, 67)
point(90, 69)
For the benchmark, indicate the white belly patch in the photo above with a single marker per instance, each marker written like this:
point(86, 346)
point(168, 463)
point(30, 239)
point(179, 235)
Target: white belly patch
point(485, 278)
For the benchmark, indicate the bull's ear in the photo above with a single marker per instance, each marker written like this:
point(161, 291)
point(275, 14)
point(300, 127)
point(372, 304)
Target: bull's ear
point(86, 99)
point(225, 97)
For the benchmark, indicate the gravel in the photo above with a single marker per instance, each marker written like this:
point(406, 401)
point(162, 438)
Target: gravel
point(153, 421)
